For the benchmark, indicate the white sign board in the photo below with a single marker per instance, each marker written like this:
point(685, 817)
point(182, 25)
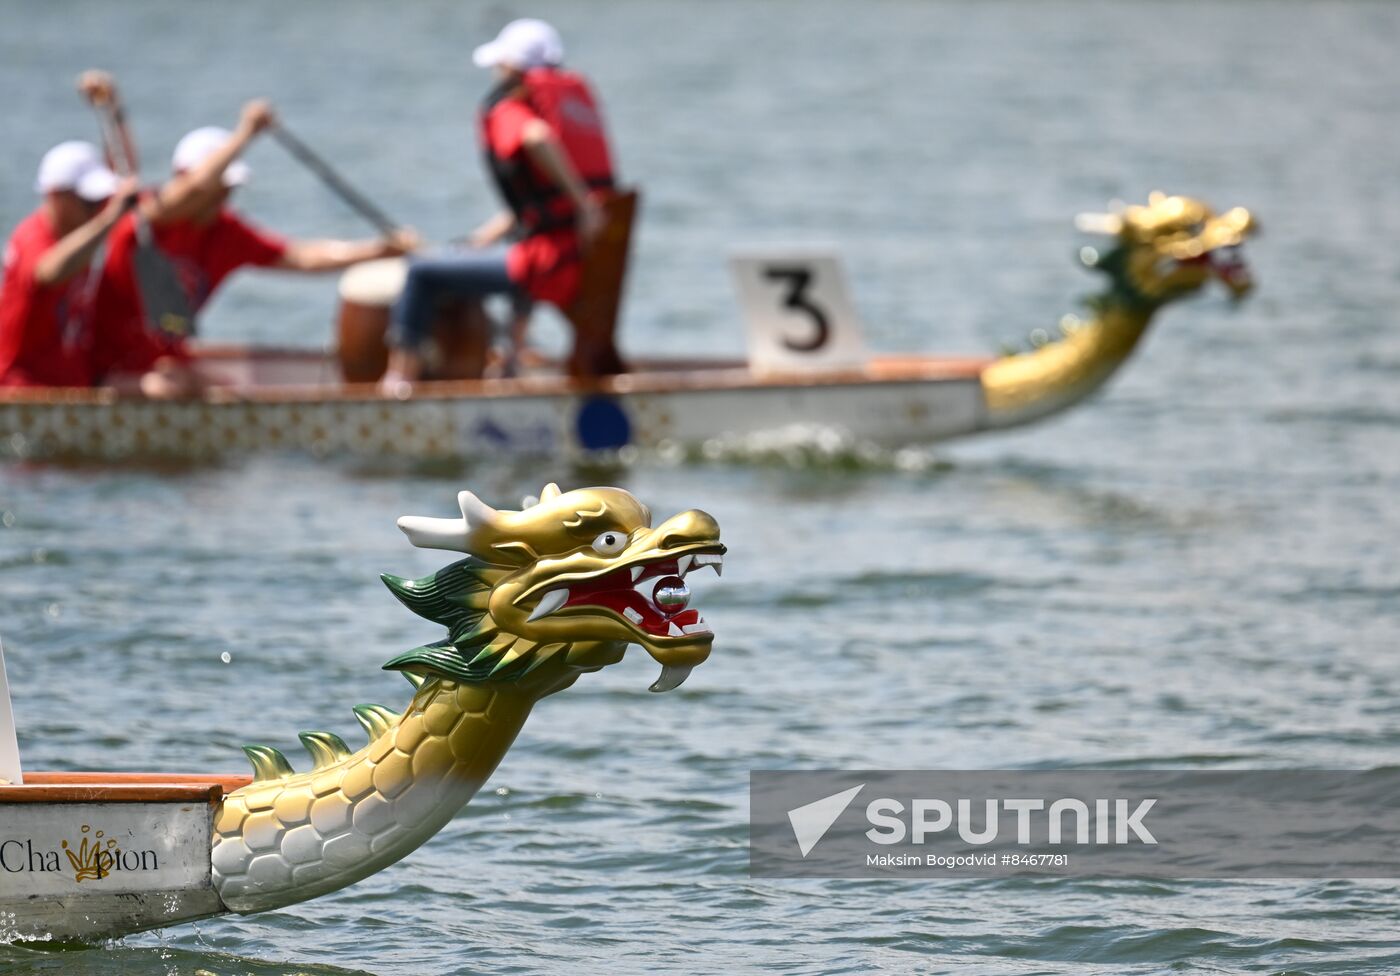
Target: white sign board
point(10, 771)
point(103, 848)
point(798, 310)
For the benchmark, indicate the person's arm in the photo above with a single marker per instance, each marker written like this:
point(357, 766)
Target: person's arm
point(187, 192)
point(493, 230)
point(100, 90)
point(76, 248)
point(544, 151)
point(331, 255)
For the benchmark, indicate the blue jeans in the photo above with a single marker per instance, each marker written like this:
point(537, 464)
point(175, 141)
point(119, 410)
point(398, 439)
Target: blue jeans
point(465, 274)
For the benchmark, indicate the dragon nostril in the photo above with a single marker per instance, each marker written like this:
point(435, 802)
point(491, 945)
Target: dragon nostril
point(687, 529)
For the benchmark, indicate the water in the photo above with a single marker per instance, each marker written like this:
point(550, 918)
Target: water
point(1195, 570)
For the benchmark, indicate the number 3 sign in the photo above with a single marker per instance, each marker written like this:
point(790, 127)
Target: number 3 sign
point(798, 311)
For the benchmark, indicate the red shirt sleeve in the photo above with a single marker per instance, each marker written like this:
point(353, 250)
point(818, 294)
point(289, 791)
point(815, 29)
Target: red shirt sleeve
point(505, 127)
point(43, 328)
point(17, 289)
point(22, 254)
point(242, 243)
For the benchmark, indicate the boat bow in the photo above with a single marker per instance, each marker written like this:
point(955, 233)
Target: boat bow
point(1152, 255)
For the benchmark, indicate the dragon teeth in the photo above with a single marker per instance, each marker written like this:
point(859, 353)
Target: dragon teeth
point(711, 559)
point(632, 615)
point(684, 564)
point(672, 676)
point(550, 602)
point(674, 631)
point(699, 627)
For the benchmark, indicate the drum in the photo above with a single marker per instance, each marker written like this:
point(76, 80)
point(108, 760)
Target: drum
point(367, 291)
point(461, 333)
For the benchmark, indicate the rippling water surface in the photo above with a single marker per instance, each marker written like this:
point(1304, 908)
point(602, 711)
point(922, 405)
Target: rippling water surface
point(1196, 570)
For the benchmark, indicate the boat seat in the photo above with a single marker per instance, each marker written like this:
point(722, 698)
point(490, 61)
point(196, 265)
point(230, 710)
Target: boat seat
point(594, 312)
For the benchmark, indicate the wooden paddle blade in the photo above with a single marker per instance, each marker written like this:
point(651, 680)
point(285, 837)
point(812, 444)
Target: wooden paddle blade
point(594, 312)
point(167, 305)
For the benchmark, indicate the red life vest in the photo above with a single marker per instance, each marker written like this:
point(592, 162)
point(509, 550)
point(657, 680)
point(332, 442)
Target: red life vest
point(565, 102)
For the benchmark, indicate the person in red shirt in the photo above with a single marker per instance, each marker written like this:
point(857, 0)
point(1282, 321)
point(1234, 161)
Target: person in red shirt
point(204, 240)
point(547, 150)
point(46, 325)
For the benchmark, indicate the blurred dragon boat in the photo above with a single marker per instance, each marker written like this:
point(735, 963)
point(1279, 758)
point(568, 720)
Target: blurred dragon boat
point(806, 367)
point(542, 597)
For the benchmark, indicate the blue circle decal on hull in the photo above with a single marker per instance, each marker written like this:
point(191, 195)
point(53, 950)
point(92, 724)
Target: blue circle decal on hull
point(602, 425)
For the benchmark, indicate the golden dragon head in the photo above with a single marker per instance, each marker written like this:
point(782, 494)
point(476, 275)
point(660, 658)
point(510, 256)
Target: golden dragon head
point(571, 579)
point(1170, 248)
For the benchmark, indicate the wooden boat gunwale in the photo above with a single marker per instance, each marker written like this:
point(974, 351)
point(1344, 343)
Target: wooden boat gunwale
point(657, 376)
point(85, 787)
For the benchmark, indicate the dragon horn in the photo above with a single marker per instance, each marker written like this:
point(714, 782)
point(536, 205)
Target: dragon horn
point(475, 511)
point(435, 533)
point(547, 494)
point(451, 534)
point(1099, 223)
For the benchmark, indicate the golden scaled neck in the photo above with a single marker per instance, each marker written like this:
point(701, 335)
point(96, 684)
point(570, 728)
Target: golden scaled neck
point(1030, 385)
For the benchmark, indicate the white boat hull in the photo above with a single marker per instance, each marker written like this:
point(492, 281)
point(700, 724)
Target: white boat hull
point(917, 403)
point(84, 857)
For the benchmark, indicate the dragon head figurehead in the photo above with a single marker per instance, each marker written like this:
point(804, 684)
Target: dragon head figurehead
point(1169, 249)
point(566, 582)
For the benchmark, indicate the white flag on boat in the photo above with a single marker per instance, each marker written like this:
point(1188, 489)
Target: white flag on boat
point(9, 744)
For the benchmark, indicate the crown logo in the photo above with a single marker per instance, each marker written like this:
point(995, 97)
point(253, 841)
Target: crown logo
point(93, 860)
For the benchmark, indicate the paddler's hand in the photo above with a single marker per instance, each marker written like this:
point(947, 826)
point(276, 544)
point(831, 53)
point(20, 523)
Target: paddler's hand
point(591, 219)
point(124, 197)
point(405, 240)
point(98, 87)
point(257, 116)
point(493, 231)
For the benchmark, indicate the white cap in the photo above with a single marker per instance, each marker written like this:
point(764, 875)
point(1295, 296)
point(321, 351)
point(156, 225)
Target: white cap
point(76, 166)
point(522, 44)
point(198, 145)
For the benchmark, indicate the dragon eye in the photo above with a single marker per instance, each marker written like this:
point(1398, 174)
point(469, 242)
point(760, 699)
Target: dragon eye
point(610, 543)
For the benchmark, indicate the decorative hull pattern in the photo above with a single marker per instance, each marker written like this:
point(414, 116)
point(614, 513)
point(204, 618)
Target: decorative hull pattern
point(892, 402)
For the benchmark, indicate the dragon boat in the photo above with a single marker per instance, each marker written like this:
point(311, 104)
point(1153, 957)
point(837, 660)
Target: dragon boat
point(805, 370)
point(543, 595)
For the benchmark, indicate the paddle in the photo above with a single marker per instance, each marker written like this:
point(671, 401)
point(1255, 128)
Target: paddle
point(334, 181)
point(161, 294)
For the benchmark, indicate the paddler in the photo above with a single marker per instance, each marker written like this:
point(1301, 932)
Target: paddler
point(205, 241)
point(46, 294)
point(547, 150)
